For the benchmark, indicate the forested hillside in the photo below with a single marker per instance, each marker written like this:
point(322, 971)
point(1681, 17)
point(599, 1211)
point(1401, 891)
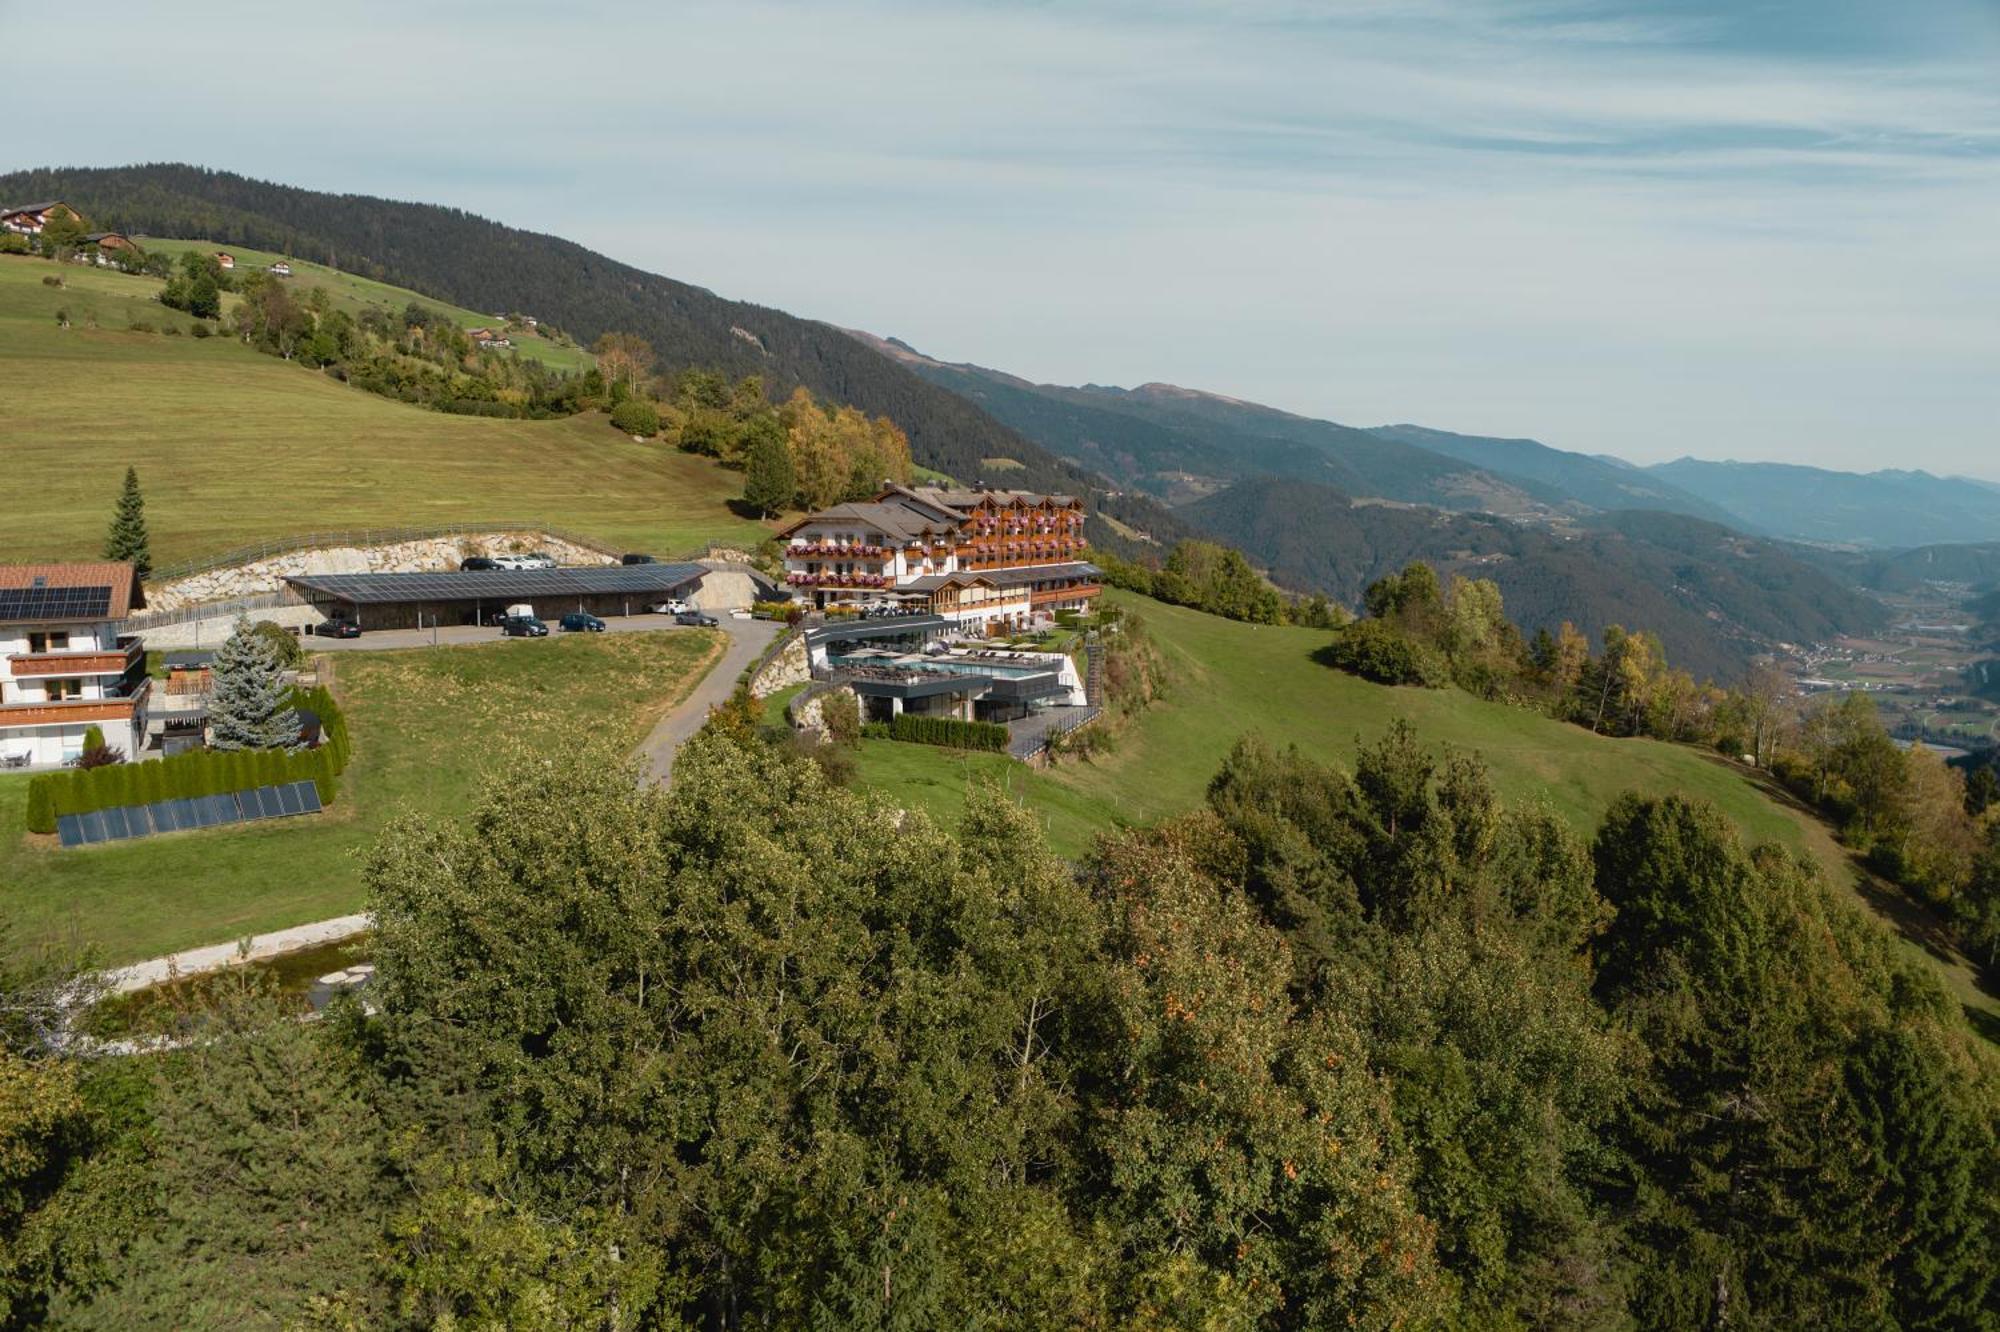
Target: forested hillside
point(455, 256)
point(1181, 445)
point(1597, 482)
point(1714, 597)
point(1887, 508)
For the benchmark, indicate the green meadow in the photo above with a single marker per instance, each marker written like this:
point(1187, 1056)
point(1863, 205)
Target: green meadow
point(427, 723)
point(1234, 679)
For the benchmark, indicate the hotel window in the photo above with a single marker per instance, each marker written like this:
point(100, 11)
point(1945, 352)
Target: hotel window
point(55, 640)
point(58, 690)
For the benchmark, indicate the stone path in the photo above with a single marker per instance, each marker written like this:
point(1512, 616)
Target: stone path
point(214, 957)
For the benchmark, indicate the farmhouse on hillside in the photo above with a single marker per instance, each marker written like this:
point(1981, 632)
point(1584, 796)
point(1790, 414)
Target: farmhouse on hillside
point(64, 666)
point(29, 219)
point(109, 242)
point(988, 561)
point(281, 269)
point(224, 259)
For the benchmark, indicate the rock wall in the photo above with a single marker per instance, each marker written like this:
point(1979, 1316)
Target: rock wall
point(806, 710)
point(426, 556)
point(789, 667)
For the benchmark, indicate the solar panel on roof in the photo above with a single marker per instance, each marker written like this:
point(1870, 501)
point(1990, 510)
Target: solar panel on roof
point(54, 603)
point(501, 585)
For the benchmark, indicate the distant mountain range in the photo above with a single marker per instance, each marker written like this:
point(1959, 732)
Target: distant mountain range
point(1715, 597)
point(1182, 445)
point(1330, 508)
point(1890, 509)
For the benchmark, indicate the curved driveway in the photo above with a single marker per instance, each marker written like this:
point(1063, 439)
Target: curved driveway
point(747, 640)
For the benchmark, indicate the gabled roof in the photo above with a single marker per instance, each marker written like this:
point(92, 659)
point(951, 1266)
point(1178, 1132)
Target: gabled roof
point(42, 207)
point(902, 521)
point(126, 595)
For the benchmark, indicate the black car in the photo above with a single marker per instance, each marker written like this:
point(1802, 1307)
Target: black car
point(337, 629)
point(477, 563)
point(695, 617)
point(638, 559)
point(523, 626)
point(582, 621)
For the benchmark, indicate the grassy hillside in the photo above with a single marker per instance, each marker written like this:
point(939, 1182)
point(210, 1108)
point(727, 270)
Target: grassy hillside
point(426, 724)
point(1235, 678)
point(485, 266)
point(234, 446)
point(354, 294)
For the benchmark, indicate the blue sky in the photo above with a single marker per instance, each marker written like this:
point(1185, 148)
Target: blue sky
point(1750, 230)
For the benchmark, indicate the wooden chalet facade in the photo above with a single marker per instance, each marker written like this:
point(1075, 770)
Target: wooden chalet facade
point(991, 561)
point(29, 219)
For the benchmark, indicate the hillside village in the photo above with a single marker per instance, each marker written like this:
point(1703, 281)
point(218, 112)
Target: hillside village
point(610, 836)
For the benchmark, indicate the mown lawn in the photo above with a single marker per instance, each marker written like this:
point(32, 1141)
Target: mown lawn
point(235, 447)
point(427, 723)
point(354, 294)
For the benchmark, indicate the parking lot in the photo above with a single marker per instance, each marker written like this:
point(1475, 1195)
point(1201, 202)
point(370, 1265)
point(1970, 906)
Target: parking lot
point(384, 639)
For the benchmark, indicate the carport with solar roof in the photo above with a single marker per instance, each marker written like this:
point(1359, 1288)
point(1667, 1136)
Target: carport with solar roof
point(422, 600)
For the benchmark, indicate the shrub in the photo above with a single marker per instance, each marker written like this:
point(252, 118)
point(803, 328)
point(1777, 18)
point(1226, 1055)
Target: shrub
point(1378, 651)
point(285, 644)
point(52, 280)
point(636, 417)
point(840, 713)
point(198, 329)
point(203, 772)
point(41, 805)
point(948, 732)
point(140, 326)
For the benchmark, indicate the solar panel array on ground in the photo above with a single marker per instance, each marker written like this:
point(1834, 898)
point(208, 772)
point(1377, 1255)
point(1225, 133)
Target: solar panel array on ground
point(499, 584)
point(54, 603)
point(126, 821)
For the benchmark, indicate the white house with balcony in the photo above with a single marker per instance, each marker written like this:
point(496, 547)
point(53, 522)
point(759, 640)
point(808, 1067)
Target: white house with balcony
point(64, 665)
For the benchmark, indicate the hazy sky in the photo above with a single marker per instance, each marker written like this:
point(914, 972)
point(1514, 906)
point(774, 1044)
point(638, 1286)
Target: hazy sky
point(1719, 227)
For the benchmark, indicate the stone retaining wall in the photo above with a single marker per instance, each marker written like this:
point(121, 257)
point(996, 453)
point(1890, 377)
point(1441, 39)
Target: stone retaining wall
point(789, 667)
point(426, 556)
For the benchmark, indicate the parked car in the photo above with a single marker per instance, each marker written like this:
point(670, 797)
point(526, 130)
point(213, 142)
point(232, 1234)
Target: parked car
point(537, 560)
point(638, 559)
point(674, 607)
point(476, 563)
point(337, 628)
point(695, 617)
point(523, 626)
point(582, 621)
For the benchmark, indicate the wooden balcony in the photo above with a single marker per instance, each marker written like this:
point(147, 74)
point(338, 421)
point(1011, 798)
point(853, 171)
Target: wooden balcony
point(72, 711)
point(1054, 594)
point(116, 661)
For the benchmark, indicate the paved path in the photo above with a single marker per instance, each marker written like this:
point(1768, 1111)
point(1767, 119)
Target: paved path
point(214, 957)
point(747, 640)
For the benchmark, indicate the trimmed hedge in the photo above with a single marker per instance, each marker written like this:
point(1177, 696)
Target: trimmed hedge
point(201, 772)
point(949, 732)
